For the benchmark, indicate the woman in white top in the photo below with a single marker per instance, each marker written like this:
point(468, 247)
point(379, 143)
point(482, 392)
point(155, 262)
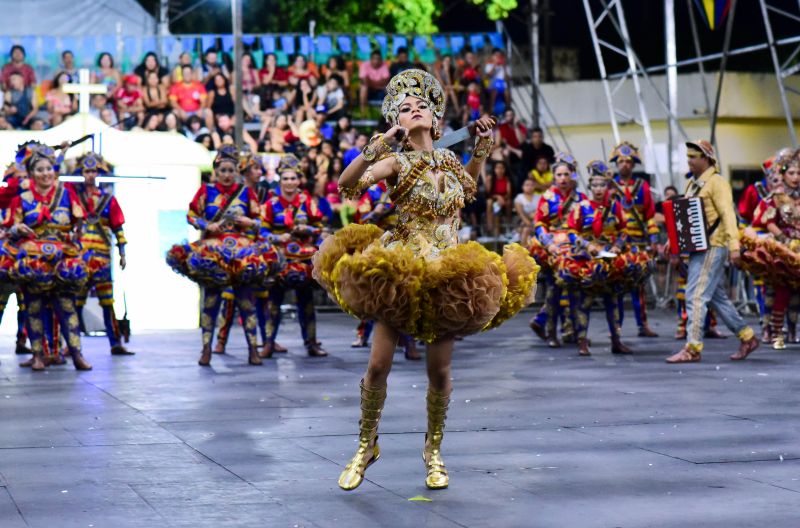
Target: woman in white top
point(525, 205)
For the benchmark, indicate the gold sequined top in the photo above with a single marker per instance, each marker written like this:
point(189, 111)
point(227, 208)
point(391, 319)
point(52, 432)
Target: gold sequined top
point(784, 211)
point(430, 190)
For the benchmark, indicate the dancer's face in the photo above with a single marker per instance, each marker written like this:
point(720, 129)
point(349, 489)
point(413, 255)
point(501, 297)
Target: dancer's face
point(625, 168)
point(290, 182)
point(254, 174)
point(89, 176)
point(598, 187)
point(415, 114)
point(44, 176)
point(563, 178)
point(791, 178)
point(226, 173)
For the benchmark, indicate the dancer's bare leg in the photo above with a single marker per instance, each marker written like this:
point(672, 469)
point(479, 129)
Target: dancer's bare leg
point(384, 343)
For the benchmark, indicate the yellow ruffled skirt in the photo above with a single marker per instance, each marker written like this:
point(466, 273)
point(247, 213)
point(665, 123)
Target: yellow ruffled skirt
point(464, 290)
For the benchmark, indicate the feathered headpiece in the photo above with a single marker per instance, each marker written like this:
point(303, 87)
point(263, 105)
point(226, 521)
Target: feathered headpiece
point(90, 160)
point(35, 152)
point(288, 163)
point(227, 153)
point(247, 159)
point(598, 169)
point(625, 151)
point(569, 161)
point(783, 158)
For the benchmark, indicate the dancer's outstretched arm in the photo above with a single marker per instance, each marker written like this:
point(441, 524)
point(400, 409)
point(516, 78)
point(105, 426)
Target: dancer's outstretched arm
point(483, 147)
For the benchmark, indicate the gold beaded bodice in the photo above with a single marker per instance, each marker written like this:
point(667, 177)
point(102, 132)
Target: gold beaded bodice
point(430, 191)
point(787, 207)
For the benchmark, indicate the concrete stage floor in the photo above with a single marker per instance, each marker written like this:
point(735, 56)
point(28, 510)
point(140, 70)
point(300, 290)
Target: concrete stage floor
point(535, 438)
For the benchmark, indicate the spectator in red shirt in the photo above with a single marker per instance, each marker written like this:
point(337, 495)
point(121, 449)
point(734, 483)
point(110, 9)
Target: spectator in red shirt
point(188, 96)
point(128, 99)
point(299, 70)
point(17, 65)
point(471, 69)
point(274, 79)
point(512, 135)
point(272, 74)
point(374, 76)
point(498, 197)
point(511, 130)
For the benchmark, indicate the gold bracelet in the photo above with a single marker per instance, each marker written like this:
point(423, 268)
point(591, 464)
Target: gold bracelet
point(366, 181)
point(376, 148)
point(483, 147)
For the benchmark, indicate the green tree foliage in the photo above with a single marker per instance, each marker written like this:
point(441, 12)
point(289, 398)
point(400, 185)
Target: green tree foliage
point(331, 16)
point(496, 9)
point(410, 16)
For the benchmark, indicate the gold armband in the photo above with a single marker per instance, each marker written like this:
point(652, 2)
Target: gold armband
point(483, 147)
point(376, 149)
point(365, 182)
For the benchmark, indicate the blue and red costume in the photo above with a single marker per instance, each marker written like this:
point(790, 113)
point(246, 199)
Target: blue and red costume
point(229, 258)
point(49, 266)
point(104, 218)
point(550, 227)
point(599, 225)
point(301, 219)
point(10, 188)
point(637, 202)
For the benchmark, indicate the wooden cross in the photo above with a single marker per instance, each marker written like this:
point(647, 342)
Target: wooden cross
point(84, 89)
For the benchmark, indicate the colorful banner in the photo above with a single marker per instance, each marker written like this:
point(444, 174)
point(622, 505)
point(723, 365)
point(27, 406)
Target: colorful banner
point(713, 11)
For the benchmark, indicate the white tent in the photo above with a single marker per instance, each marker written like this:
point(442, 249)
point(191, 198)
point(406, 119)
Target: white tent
point(155, 213)
point(57, 18)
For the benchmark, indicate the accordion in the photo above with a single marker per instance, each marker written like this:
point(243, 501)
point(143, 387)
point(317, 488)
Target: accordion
point(687, 227)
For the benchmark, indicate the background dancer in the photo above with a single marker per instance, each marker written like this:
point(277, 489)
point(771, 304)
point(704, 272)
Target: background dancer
point(294, 224)
point(103, 217)
point(637, 202)
point(41, 256)
point(225, 213)
point(550, 241)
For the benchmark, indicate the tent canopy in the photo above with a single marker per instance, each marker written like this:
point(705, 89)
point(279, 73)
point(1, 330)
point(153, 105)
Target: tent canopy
point(74, 17)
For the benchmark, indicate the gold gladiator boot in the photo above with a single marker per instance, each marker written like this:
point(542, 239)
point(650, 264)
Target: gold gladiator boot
point(437, 412)
point(368, 450)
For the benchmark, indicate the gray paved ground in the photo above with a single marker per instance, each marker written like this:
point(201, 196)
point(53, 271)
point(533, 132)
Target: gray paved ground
point(535, 437)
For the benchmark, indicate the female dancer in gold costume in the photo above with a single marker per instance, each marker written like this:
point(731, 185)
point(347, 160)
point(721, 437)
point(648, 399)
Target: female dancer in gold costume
point(416, 278)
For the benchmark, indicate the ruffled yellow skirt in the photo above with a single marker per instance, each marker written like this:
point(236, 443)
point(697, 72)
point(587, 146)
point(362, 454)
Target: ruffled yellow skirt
point(464, 290)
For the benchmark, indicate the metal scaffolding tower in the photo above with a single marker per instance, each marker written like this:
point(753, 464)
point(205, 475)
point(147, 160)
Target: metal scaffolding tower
point(785, 69)
point(599, 12)
point(613, 13)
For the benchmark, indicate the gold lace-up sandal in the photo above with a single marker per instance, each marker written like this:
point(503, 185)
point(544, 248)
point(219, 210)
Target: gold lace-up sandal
point(437, 477)
point(368, 450)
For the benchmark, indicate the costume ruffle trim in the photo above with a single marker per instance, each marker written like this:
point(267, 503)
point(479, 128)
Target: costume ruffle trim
point(466, 289)
point(43, 266)
point(227, 261)
point(763, 256)
point(620, 274)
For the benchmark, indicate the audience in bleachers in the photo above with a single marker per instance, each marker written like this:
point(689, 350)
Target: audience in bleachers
point(324, 114)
